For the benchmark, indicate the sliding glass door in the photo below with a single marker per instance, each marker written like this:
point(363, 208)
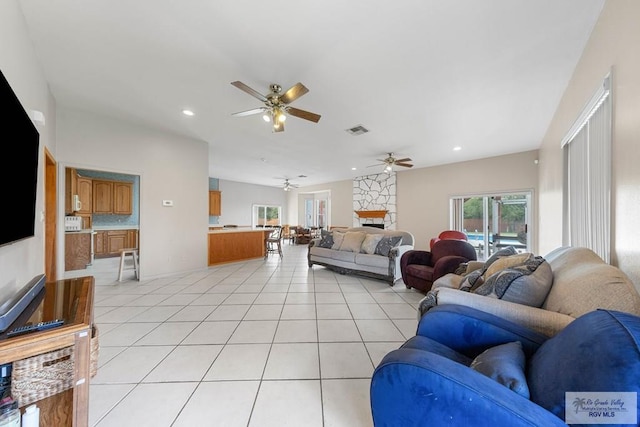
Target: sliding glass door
point(492, 222)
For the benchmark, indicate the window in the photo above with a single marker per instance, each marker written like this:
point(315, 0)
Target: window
point(587, 176)
point(493, 221)
point(266, 215)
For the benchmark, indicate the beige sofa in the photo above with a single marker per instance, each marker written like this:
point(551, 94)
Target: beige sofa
point(355, 260)
point(582, 282)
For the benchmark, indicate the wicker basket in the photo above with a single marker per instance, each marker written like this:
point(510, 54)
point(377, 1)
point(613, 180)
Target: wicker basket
point(95, 352)
point(42, 376)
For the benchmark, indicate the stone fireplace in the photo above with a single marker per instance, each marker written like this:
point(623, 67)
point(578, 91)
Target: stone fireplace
point(374, 200)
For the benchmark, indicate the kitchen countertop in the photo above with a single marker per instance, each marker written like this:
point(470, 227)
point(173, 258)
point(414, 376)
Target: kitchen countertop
point(86, 230)
point(115, 227)
point(237, 230)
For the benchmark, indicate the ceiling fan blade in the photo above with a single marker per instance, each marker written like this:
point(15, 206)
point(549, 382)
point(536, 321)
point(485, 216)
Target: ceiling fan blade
point(304, 114)
point(406, 165)
point(406, 159)
point(377, 164)
point(250, 112)
point(247, 89)
point(295, 92)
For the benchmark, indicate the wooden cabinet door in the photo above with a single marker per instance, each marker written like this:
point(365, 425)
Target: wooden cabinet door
point(132, 239)
point(215, 205)
point(100, 243)
point(116, 240)
point(70, 188)
point(122, 198)
point(85, 191)
point(102, 197)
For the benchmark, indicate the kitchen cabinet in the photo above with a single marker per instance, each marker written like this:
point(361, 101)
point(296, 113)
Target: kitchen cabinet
point(122, 198)
point(107, 243)
point(100, 244)
point(84, 187)
point(70, 188)
point(77, 252)
point(215, 203)
point(102, 197)
point(112, 197)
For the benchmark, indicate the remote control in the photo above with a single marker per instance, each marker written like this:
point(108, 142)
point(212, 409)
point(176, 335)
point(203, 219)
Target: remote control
point(42, 326)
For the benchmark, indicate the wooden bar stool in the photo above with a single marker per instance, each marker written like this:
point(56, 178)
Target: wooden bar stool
point(123, 253)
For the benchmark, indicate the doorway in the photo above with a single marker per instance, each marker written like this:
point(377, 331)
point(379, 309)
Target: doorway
point(495, 221)
point(108, 205)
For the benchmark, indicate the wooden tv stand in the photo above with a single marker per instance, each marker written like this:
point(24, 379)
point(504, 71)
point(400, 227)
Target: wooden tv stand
point(72, 300)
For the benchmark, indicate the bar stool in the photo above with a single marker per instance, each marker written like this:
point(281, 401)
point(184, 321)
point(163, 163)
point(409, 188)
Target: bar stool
point(134, 254)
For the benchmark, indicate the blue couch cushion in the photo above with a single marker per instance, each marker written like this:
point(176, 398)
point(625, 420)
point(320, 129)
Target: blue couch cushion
point(597, 352)
point(505, 364)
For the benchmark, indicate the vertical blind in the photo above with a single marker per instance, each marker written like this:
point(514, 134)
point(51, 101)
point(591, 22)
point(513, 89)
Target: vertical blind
point(588, 177)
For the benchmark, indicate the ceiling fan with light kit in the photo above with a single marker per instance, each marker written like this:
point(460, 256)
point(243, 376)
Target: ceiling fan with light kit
point(287, 186)
point(276, 104)
point(390, 161)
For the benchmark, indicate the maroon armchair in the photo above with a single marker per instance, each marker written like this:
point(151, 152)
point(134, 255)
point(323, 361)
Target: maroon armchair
point(420, 269)
point(448, 234)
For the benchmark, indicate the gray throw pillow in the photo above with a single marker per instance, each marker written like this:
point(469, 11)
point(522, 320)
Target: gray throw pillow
point(327, 240)
point(504, 364)
point(386, 243)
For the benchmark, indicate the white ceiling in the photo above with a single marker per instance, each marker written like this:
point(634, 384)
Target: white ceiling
point(422, 75)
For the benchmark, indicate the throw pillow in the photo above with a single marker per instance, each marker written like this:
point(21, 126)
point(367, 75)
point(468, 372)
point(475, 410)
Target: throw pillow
point(352, 241)
point(528, 283)
point(504, 364)
point(337, 240)
point(370, 243)
point(327, 239)
point(506, 262)
point(509, 250)
point(386, 243)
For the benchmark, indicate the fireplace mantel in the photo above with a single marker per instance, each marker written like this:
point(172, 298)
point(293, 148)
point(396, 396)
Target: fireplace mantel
point(371, 214)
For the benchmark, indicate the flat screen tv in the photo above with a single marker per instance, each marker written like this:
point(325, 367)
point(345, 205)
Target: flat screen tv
point(19, 140)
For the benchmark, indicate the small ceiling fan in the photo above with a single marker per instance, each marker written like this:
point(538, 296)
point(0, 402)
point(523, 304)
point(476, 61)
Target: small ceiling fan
point(287, 186)
point(391, 161)
point(276, 104)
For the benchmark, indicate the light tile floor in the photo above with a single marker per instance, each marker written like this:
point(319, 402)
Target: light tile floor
point(258, 343)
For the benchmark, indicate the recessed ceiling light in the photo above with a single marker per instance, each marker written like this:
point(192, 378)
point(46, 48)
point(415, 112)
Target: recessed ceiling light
point(188, 112)
point(457, 148)
point(353, 169)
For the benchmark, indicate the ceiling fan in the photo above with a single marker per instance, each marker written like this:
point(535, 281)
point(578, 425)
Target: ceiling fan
point(287, 186)
point(390, 161)
point(276, 104)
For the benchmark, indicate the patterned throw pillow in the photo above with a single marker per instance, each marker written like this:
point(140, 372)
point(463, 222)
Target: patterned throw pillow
point(386, 243)
point(327, 240)
point(370, 243)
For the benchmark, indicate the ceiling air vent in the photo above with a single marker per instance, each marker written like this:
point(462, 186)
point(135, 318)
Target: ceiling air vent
point(357, 130)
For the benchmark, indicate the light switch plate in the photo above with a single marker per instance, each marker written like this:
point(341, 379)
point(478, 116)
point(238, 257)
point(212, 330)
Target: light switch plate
point(167, 203)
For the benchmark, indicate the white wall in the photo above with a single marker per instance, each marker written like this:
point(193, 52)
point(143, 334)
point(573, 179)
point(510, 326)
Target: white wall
point(613, 46)
point(238, 199)
point(22, 261)
point(172, 239)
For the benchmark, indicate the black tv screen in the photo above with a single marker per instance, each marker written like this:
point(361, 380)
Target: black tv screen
point(19, 140)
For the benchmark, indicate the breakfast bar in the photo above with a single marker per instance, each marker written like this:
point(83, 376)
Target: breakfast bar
point(236, 244)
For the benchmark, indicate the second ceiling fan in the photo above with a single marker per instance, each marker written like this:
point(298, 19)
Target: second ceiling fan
point(276, 104)
point(391, 161)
